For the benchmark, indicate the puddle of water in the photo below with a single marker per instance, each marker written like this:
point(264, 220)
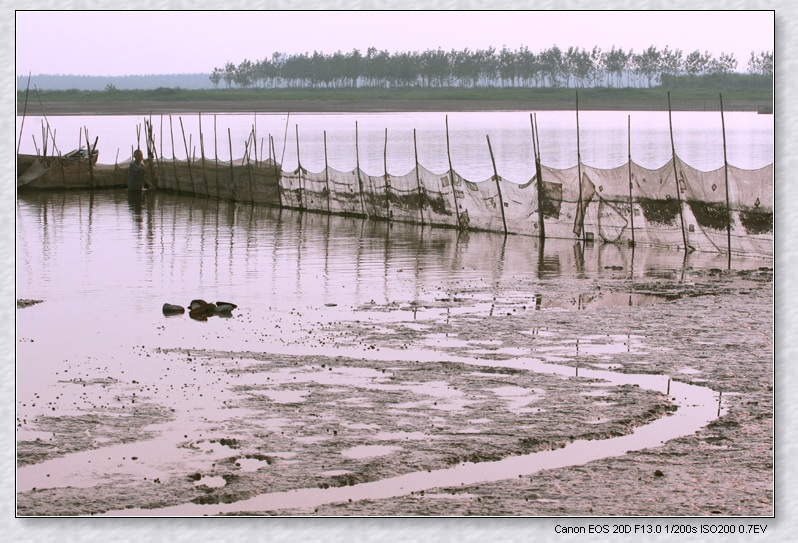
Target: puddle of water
point(697, 406)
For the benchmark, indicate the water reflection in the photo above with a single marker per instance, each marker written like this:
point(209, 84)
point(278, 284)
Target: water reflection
point(171, 247)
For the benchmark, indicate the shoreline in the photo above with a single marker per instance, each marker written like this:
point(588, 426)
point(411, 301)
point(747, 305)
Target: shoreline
point(371, 106)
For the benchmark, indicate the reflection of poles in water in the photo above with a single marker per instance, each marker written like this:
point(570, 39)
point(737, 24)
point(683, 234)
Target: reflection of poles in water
point(579, 258)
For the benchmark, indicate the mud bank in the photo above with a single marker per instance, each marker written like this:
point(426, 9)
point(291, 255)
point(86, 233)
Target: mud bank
point(318, 398)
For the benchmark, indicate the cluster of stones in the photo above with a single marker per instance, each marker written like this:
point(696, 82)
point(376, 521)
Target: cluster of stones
point(200, 309)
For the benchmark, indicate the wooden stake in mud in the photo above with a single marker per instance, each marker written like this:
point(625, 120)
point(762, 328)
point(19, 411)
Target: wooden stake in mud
point(726, 175)
point(359, 180)
point(676, 176)
point(451, 177)
point(498, 186)
point(89, 153)
point(249, 166)
point(188, 158)
point(276, 172)
point(202, 156)
point(174, 158)
point(152, 155)
point(326, 172)
point(386, 178)
point(215, 157)
point(421, 194)
point(629, 162)
point(579, 171)
point(299, 172)
point(539, 176)
point(232, 176)
point(160, 143)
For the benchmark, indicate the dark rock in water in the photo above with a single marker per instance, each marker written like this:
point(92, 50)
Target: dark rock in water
point(197, 303)
point(222, 307)
point(202, 312)
point(231, 304)
point(658, 473)
point(172, 309)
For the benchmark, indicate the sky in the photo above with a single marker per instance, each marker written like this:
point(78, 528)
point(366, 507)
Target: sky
point(169, 42)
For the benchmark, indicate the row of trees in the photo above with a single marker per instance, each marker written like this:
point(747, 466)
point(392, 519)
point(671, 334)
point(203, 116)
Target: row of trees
point(552, 67)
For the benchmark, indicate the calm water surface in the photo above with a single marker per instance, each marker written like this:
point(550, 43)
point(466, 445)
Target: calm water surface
point(104, 264)
point(385, 141)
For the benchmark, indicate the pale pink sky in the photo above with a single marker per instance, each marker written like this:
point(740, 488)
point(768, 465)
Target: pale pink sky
point(150, 42)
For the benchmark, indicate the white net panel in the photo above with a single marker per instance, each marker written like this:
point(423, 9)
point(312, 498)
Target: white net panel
point(617, 205)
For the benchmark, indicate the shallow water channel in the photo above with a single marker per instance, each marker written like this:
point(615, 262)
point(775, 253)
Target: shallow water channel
point(364, 360)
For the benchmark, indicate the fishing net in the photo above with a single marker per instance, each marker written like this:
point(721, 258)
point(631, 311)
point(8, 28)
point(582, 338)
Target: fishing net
point(673, 206)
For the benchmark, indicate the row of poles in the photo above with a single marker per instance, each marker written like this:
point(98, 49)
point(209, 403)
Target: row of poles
point(251, 146)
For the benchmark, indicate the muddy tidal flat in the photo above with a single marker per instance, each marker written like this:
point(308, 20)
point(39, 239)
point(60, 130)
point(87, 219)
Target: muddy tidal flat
point(469, 401)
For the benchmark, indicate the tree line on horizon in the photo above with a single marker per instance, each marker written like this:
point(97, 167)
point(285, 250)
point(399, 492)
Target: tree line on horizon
point(553, 67)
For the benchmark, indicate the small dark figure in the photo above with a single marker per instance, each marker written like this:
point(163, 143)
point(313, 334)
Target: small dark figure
point(137, 176)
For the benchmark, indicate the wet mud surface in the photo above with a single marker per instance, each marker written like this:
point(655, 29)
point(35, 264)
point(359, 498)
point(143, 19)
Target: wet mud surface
point(331, 397)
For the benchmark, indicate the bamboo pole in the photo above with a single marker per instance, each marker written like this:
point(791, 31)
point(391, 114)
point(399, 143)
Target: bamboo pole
point(539, 174)
point(232, 177)
point(726, 176)
point(326, 172)
point(276, 172)
point(300, 192)
point(498, 185)
point(451, 177)
point(216, 157)
point(359, 179)
point(174, 159)
point(89, 153)
point(249, 166)
point(160, 143)
point(421, 194)
point(202, 156)
point(676, 177)
point(629, 163)
point(255, 137)
point(151, 153)
point(386, 178)
point(285, 138)
point(579, 171)
point(24, 112)
point(188, 158)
